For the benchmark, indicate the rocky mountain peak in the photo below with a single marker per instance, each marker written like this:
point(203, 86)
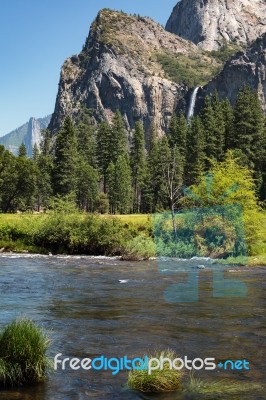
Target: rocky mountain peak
point(211, 23)
point(131, 64)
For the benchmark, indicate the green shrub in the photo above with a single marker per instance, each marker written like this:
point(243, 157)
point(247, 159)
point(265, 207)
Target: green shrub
point(140, 247)
point(23, 347)
point(165, 380)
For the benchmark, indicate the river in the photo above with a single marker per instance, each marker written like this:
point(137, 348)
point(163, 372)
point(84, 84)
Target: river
point(95, 306)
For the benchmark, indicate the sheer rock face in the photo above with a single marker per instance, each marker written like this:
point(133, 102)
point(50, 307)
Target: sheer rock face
point(211, 23)
point(247, 67)
point(29, 134)
point(118, 70)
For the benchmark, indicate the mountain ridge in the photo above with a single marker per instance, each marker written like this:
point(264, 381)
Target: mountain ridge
point(123, 65)
point(28, 133)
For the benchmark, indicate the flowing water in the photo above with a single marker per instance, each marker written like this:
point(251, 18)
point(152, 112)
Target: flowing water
point(100, 306)
point(192, 103)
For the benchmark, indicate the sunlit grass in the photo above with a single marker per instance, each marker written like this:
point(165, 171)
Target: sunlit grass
point(225, 387)
point(23, 359)
point(159, 380)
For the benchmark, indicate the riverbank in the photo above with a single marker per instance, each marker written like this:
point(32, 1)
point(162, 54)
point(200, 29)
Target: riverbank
point(127, 236)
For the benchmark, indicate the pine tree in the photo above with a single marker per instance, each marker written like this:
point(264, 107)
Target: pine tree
point(219, 128)
point(249, 131)
point(160, 164)
point(123, 184)
point(228, 117)
point(86, 142)
point(119, 144)
point(104, 149)
point(119, 188)
point(111, 188)
point(195, 160)
point(22, 151)
point(214, 128)
point(44, 167)
point(249, 123)
point(65, 160)
point(35, 152)
point(148, 193)
point(87, 185)
point(138, 164)
point(178, 133)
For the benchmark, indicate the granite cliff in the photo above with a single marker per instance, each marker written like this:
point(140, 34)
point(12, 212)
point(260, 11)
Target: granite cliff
point(131, 64)
point(28, 133)
point(246, 67)
point(212, 23)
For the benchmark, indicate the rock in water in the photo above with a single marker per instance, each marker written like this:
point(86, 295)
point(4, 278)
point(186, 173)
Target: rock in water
point(201, 266)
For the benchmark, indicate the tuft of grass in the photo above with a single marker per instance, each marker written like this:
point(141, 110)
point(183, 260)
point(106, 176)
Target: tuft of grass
point(160, 380)
point(23, 359)
point(223, 387)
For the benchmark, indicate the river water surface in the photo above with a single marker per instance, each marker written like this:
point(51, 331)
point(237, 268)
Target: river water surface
point(104, 306)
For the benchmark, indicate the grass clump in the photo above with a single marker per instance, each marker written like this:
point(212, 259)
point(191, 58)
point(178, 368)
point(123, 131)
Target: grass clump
point(159, 380)
point(23, 359)
point(224, 387)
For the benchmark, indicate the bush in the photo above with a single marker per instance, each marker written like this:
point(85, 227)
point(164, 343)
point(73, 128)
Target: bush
point(165, 380)
point(139, 248)
point(23, 347)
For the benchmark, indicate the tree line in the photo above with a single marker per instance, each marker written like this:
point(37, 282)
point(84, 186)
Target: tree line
point(103, 169)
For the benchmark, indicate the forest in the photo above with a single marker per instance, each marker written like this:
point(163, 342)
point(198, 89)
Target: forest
point(102, 170)
point(215, 159)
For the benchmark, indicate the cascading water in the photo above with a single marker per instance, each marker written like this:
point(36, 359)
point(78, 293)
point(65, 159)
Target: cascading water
point(192, 103)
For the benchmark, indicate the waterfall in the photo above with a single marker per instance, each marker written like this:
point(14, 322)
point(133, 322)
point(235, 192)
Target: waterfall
point(192, 103)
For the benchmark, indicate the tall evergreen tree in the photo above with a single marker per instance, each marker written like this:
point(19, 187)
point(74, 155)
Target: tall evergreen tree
point(249, 123)
point(178, 133)
point(44, 167)
point(161, 162)
point(219, 127)
point(104, 149)
point(87, 185)
point(119, 187)
point(249, 130)
point(138, 165)
point(86, 142)
point(195, 160)
point(22, 151)
point(111, 188)
point(119, 143)
point(214, 128)
point(123, 184)
point(228, 117)
point(65, 160)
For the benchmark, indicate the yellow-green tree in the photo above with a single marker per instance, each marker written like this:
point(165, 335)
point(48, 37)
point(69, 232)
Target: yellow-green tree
point(228, 182)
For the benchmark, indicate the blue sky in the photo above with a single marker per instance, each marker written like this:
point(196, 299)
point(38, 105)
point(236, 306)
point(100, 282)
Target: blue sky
point(36, 37)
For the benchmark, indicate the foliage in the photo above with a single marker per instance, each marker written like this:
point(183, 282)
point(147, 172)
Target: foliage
point(160, 380)
point(139, 248)
point(229, 183)
point(23, 360)
point(65, 159)
point(194, 70)
point(224, 387)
